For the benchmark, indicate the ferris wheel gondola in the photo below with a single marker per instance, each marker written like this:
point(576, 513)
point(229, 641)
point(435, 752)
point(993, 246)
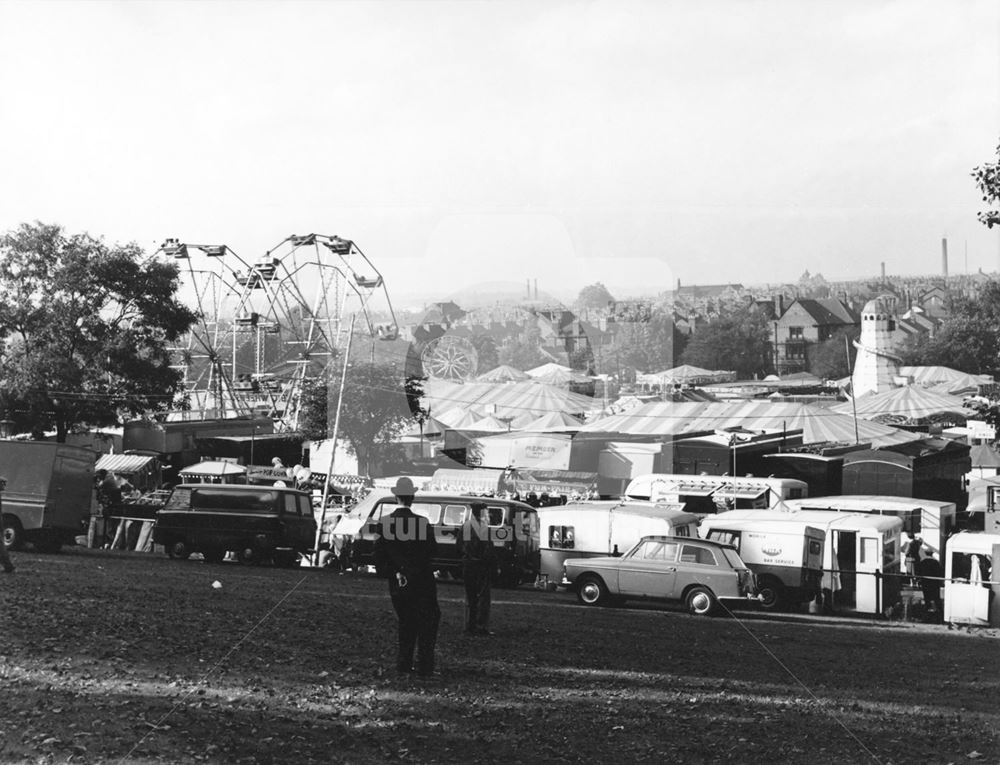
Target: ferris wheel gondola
point(267, 326)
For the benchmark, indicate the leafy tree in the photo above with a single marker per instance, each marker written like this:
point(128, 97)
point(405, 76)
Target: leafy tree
point(967, 340)
point(379, 401)
point(525, 351)
point(988, 182)
point(828, 360)
point(86, 329)
point(651, 345)
point(739, 341)
point(594, 295)
point(486, 352)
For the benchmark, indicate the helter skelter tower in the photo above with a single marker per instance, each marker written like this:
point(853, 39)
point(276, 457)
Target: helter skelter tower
point(268, 326)
point(875, 366)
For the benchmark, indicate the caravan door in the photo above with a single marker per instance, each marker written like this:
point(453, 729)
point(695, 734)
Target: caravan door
point(869, 560)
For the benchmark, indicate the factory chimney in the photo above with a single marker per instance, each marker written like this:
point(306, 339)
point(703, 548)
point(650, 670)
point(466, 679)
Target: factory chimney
point(536, 289)
point(944, 257)
point(883, 270)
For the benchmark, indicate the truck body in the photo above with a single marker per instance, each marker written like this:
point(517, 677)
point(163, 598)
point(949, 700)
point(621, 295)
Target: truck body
point(49, 491)
point(785, 554)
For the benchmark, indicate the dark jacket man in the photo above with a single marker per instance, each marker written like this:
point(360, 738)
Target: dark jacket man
point(479, 563)
point(404, 551)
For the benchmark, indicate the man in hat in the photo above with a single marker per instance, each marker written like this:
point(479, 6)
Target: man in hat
point(404, 552)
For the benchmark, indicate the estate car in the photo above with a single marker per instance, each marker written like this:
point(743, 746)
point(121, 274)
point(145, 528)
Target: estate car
point(697, 572)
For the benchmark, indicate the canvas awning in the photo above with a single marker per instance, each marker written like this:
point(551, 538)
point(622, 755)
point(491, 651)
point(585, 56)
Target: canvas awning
point(693, 489)
point(477, 481)
point(554, 481)
point(743, 492)
point(126, 464)
point(213, 468)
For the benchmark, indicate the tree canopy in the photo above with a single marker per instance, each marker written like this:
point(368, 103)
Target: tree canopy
point(829, 359)
point(379, 401)
point(652, 344)
point(594, 295)
point(738, 341)
point(86, 329)
point(988, 182)
point(968, 339)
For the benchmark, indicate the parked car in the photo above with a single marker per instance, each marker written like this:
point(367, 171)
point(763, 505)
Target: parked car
point(697, 572)
point(258, 523)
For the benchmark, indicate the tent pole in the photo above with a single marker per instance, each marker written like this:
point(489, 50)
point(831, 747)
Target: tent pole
point(854, 402)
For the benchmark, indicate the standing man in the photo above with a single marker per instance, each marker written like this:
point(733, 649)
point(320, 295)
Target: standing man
point(8, 567)
point(911, 551)
point(479, 562)
point(404, 553)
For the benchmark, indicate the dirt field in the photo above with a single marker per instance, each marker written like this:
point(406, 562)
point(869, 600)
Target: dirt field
point(124, 657)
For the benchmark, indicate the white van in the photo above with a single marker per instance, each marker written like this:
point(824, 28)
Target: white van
point(786, 554)
point(592, 529)
point(932, 519)
point(861, 566)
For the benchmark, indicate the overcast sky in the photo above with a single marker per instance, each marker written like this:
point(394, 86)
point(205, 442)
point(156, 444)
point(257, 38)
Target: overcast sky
point(462, 142)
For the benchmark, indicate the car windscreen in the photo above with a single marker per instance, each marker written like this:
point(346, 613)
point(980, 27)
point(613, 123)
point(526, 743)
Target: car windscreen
point(221, 500)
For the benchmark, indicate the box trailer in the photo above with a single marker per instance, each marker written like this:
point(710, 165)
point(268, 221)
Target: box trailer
point(49, 492)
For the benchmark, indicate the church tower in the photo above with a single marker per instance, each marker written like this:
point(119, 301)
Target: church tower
point(875, 366)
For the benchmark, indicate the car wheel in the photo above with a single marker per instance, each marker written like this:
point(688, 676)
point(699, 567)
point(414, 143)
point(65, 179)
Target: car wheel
point(248, 555)
point(213, 554)
point(13, 534)
point(771, 593)
point(700, 601)
point(591, 591)
point(179, 551)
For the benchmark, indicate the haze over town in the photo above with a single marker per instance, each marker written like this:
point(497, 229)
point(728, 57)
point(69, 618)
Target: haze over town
point(631, 143)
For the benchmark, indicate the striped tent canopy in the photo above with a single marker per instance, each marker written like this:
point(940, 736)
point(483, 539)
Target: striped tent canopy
point(490, 424)
point(516, 399)
point(937, 375)
point(556, 422)
point(503, 373)
point(561, 376)
point(818, 424)
point(909, 405)
point(549, 368)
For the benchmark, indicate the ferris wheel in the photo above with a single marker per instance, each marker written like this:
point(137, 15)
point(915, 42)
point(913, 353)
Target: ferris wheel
point(266, 327)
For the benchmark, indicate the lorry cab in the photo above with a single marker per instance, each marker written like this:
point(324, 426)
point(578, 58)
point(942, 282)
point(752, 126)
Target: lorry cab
point(513, 528)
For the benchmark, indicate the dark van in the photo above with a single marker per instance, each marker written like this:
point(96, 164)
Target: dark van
point(258, 523)
point(513, 528)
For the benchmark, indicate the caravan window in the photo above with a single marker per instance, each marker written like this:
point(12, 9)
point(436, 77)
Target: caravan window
point(725, 536)
point(292, 504)
point(495, 516)
point(972, 568)
point(562, 537)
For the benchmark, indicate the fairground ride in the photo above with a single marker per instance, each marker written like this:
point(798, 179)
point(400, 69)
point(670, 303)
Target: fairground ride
point(266, 327)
